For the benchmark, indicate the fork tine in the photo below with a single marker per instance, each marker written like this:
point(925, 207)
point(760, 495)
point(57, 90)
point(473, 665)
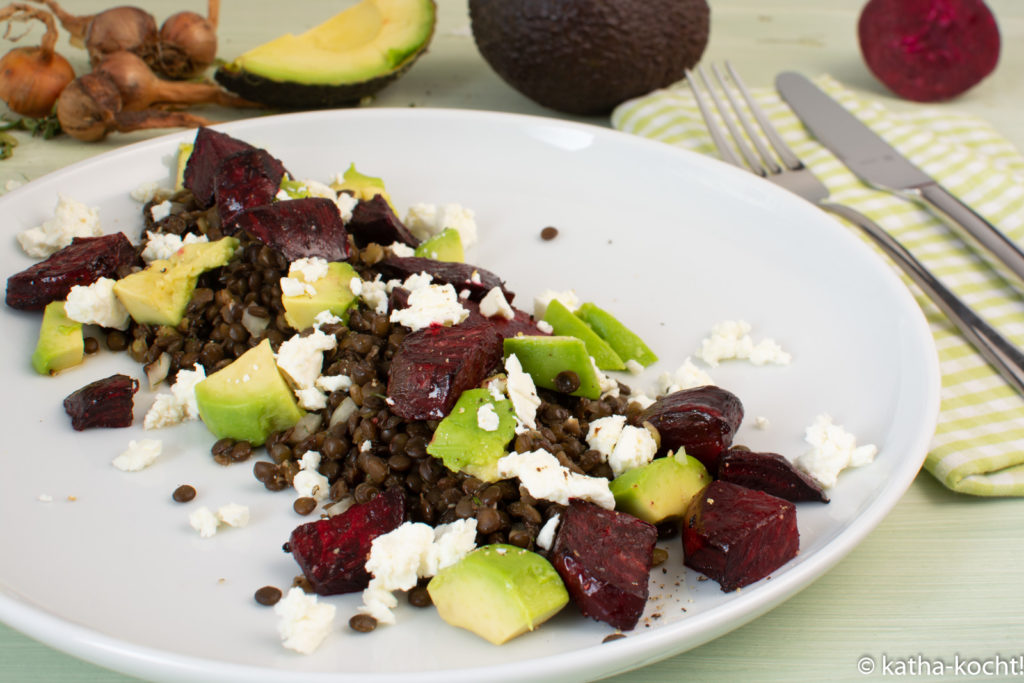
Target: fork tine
point(767, 159)
point(785, 153)
point(724, 149)
point(753, 162)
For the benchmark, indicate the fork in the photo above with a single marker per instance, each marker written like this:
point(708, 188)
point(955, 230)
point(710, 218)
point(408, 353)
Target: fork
point(786, 170)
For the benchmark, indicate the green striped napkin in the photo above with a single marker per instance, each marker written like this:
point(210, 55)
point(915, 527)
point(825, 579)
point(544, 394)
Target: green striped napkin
point(978, 447)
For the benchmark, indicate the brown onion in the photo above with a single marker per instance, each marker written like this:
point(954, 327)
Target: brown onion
point(31, 78)
point(140, 88)
point(112, 30)
point(188, 42)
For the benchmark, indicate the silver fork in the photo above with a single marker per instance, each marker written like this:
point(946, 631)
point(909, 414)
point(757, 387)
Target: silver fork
point(786, 170)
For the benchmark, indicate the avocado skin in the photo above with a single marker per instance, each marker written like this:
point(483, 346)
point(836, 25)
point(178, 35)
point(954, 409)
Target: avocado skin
point(587, 56)
point(294, 95)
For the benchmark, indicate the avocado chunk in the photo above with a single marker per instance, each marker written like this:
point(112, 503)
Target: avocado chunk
point(444, 246)
point(564, 322)
point(158, 294)
point(348, 57)
point(498, 592)
point(468, 440)
point(544, 357)
point(332, 294)
point(184, 152)
point(626, 343)
point(362, 187)
point(661, 489)
point(61, 343)
point(248, 399)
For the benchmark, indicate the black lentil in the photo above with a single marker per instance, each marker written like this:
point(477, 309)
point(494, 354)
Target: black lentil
point(363, 623)
point(268, 595)
point(184, 493)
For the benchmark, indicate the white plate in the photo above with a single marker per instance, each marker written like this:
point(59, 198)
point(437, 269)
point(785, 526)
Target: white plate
point(669, 241)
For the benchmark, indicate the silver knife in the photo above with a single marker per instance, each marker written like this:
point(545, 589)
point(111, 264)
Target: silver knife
point(877, 163)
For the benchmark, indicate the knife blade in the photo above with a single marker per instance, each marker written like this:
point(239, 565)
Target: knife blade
point(877, 163)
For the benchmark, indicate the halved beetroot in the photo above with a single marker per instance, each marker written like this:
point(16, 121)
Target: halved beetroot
point(435, 365)
point(297, 228)
point(246, 180)
point(106, 402)
point(737, 535)
point(82, 262)
point(460, 275)
point(332, 552)
point(209, 149)
point(928, 50)
point(771, 473)
point(604, 558)
point(374, 221)
point(702, 420)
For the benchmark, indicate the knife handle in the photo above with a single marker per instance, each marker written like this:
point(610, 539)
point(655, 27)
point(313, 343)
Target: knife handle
point(1000, 353)
point(979, 231)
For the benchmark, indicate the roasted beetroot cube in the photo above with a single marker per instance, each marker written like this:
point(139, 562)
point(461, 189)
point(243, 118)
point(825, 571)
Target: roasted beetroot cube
point(460, 275)
point(435, 365)
point(332, 552)
point(297, 228)
point(104, 403)
point(604, 558)
point(522, 323)
point(771, 473)
point(82, 262)
point(737, 535)
point(702, 420)
point(210, 148)
point(244, 181)
point(374, 221)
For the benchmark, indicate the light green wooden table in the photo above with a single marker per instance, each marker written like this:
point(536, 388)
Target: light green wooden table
point(939, 578)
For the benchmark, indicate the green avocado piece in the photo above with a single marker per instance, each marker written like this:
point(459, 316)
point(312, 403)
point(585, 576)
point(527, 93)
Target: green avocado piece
point(498, 592)
point(332, 294)
point(61, 343)
point(444, 246)
point(184, 152)
point(564, 322)
point(340, 61)
point(626, 343)
point(248, 399)
point(543, 357)
point(159, 293)
point(362, 187)
point(464, 446)
point(661, 489)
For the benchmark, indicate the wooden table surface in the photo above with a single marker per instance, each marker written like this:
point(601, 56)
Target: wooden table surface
point(938, 579)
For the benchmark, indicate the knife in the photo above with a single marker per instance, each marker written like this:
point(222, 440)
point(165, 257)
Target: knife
point(877, 163)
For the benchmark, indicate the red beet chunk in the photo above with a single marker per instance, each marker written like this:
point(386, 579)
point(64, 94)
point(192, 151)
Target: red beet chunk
point(771, 473)
point(460, 275)
point(435, 365)
point(702, 420)
point(522, 323)
point(297, 228)
point(737, 535)
point(332, 552)
point(374, 221)
point(604, 558)
point(928, 50)
point(210, 148)
point(244, 181)
point(82, 262)
point(104, 403)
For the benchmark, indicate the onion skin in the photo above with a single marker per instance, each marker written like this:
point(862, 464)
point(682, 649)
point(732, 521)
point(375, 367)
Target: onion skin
point(112, 30)
point(31, 80)
point(187, 45)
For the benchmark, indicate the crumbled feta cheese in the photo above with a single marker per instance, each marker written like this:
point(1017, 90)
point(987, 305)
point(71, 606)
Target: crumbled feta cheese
point(311, 398)
point(331, 383)
point(314, 188)
point(96, 304)
point(635, 448)
point(139, 455)
point(494, 304)
point(325, 317)
point(373, 293)
point(761, 422)
point(233, 514)
point(310, 460)
point(346, 203)
point(160, 211)
point(426, 220)
point(634, 367)
point(497, 386)
point(204, 521)
point(308, 482)
point(366, 446)
point(401, 250)
point(486, 418)
point(546, 535)
point(71, 219)
point(522, 392)
point(180, 404)
point(301, 358)
point(833, 449)
point(163, 245)
point(283, 195)
point(303, 622)
point(546, 479)
point(686, 376)
point(541, 301)
point(431, 305)
point(604, 433)
point(545, 327)
point(309, 269)
point(412, 283)
point(607, 384)
point(731, 339)
point(291, 286)
point(145, 192)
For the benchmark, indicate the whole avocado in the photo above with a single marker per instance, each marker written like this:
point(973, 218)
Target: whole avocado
point(587, 56)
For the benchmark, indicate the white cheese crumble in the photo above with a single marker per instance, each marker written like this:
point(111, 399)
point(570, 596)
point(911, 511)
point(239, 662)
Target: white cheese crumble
point(426, 220)
point(71, 219)
point(180, 404)
point(145, 192)
point(761, 422)
point(606, 383)
point(308, 482)
point(301, 358)
point(522, 392)
point(291, 286)
point(233, 514)
point(494, 304)
point(163, 245)
point(160, 211)
point(833, 449)
point(486, 418)
point(541, 301)
point(634, 367)
point(346, 203)
point(604, 433)
point(545, 327)
point(331, 383)
point(139, 455)
point(431, 305)
point(303, 623)
point(731, 339)
point(545, 478)
point(686, 376)
point(206, 522)
point(623, 447)
point(309, 269)
point(373, 293)
point(96, 304)
point(401, 250)
point(546, 535)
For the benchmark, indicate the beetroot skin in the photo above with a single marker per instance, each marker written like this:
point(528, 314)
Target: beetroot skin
point(928, 50)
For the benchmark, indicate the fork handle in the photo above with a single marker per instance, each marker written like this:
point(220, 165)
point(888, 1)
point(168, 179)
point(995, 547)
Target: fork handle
point(1000, 353)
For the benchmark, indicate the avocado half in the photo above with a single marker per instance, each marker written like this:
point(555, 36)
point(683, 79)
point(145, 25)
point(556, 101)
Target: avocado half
point(348, 57)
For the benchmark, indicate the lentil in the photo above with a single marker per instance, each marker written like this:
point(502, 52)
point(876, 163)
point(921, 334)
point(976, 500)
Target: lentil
point(268, 595)
point(363, 623)
point(184, 493)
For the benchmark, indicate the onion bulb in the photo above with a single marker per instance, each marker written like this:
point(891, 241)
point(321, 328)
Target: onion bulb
point(31, 78)
point(112, 30)
point(188, 42)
